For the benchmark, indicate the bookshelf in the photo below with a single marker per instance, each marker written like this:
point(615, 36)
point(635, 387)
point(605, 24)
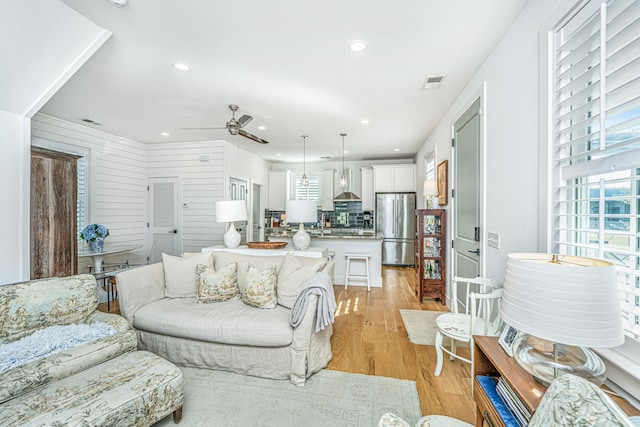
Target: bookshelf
point(490, 359)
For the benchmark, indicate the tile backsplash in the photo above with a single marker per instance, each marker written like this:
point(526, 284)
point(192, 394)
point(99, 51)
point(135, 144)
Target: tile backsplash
point(346, 214)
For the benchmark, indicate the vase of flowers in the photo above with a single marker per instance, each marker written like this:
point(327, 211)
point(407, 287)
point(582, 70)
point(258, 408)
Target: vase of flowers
point(94, 234)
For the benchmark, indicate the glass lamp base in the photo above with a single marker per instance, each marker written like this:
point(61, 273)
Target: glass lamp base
point(546, 360)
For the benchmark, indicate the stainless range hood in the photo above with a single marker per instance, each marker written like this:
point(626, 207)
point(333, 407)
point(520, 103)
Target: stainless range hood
point(347, 196)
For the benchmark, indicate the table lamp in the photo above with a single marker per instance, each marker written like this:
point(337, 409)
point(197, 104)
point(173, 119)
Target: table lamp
point(561, 305)
point(430, 193)
point(302, 211)
point(229, 211)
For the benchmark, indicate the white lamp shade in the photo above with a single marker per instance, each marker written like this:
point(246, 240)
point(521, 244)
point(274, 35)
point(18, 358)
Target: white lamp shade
point(302, 211)
point(231, 210)
point(430, 187)
point(573, 301)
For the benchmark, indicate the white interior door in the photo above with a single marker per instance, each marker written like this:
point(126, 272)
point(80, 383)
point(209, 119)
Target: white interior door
point(238, 191)
point(163, 217)
point(466, 184)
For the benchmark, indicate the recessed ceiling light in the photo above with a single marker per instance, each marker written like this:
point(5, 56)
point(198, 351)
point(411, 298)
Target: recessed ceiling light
point(364, 121)
point(262, 127)
point(278, 154)
point(357, 45)
point(164, 133)
point(182, 67)
point(396, 149)
point(346, 151)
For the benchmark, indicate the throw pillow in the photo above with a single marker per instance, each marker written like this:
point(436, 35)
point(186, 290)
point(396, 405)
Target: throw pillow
point(260, 287)
point(292, 276)
point(180, 274)
point(217, 286)
point(224, 258)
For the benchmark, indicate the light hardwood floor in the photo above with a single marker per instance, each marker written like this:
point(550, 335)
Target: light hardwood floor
point(369, 337)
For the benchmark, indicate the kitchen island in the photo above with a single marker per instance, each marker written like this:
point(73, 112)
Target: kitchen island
point(339, 242)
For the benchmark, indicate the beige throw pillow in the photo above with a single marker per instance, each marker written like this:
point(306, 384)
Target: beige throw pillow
point(180, 274)
point(260, 287)
point(224, 258)
point(217, 286)
point(292, 275)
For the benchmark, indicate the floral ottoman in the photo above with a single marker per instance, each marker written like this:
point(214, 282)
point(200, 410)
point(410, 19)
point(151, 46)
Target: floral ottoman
point(134, 389)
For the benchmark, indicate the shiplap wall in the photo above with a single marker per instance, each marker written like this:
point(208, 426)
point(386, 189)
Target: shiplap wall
point(199, 167)
point(117, 183)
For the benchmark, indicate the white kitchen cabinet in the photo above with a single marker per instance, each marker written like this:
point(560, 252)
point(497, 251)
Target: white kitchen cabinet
point(394, 178)
point(326, 200)
point(279, 189)
point(367, 195)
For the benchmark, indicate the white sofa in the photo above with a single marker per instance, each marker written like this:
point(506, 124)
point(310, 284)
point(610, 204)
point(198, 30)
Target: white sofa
point(229, 335)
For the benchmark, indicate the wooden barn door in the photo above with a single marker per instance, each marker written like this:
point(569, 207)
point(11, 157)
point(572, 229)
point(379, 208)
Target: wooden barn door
point(54, 241)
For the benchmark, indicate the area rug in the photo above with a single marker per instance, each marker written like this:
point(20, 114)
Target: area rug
point(421, 327)
point(329, 398)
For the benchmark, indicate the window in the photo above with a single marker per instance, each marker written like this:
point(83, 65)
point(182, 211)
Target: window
point(430, 166)
point(309, 192)
point(596, 142)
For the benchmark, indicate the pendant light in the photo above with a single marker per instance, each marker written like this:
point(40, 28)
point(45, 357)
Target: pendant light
point(305, 181)
point(343, 178)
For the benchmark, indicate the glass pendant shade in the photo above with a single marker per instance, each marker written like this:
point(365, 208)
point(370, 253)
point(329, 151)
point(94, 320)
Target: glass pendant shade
point(343, 178)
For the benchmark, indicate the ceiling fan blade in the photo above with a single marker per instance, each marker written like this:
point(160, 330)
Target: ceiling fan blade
point(202, 128)
point(252, 137)
point(242, 121)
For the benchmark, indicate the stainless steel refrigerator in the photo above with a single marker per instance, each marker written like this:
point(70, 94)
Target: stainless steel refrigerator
point(396, 220)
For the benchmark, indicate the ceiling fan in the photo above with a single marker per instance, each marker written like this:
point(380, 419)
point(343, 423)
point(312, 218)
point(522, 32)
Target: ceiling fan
point(234, 126)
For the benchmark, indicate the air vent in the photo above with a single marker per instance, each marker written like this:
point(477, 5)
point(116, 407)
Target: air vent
point(433, 82)
point(93, 122)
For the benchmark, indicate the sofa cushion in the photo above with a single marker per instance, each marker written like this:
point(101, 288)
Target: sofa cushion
point(180, 273)
point(292, 275)
point(260, 287)
point(26, 307)
point(217, 286)
point(64, 364)
point(228, 322)
point(224, 258)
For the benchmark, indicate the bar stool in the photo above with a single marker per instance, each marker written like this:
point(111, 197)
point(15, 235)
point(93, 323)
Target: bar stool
point(331, 255)
point(349, 275)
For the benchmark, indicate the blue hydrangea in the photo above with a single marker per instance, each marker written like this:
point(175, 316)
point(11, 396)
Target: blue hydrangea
point(92, 231)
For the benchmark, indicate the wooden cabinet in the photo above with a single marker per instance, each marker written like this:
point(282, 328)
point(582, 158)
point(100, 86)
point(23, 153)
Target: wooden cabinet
point(394, 178)
point(54, 195)
point(279, 190)
point(367, 195)
point(431, 242)
point(327, 189)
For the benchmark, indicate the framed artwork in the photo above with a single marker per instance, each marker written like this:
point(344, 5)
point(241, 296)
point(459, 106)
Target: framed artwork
point(506, 339)
point(443, 187)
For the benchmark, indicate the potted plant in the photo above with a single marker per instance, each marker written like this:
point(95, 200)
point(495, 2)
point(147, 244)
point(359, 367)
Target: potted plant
point(95, 234)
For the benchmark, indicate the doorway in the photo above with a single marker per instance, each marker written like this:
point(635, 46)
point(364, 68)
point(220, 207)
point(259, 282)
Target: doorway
point(238, 191)
point(467, 141)
point(256, 217)
point(163, 218)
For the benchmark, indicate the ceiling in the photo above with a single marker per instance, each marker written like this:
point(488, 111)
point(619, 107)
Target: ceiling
point(287, 64)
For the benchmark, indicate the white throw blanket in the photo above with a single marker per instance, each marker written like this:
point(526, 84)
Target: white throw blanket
point(51, 340)
point(318, 284)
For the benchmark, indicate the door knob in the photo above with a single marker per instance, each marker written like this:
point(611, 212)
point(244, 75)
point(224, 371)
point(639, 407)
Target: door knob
point(477, 252)
point(173, 231)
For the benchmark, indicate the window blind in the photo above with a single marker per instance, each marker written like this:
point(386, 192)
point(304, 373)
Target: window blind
point(308, 192)
point(430, 166)
point(596, 156)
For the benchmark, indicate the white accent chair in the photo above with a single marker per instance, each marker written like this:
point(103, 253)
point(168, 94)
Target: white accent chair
point(477, 314)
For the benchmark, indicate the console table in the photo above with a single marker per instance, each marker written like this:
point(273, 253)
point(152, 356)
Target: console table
point(491, 359)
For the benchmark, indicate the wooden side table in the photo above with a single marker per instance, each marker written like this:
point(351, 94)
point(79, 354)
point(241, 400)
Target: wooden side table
point(491, 359)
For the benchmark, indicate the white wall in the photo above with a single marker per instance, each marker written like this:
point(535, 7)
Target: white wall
point(511, 76)
point(200, 168)
point(117, 182)
point(14, 214)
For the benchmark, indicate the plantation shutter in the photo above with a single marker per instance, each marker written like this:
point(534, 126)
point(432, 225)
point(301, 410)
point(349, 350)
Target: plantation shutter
point(597, 142)
point(308, 192)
